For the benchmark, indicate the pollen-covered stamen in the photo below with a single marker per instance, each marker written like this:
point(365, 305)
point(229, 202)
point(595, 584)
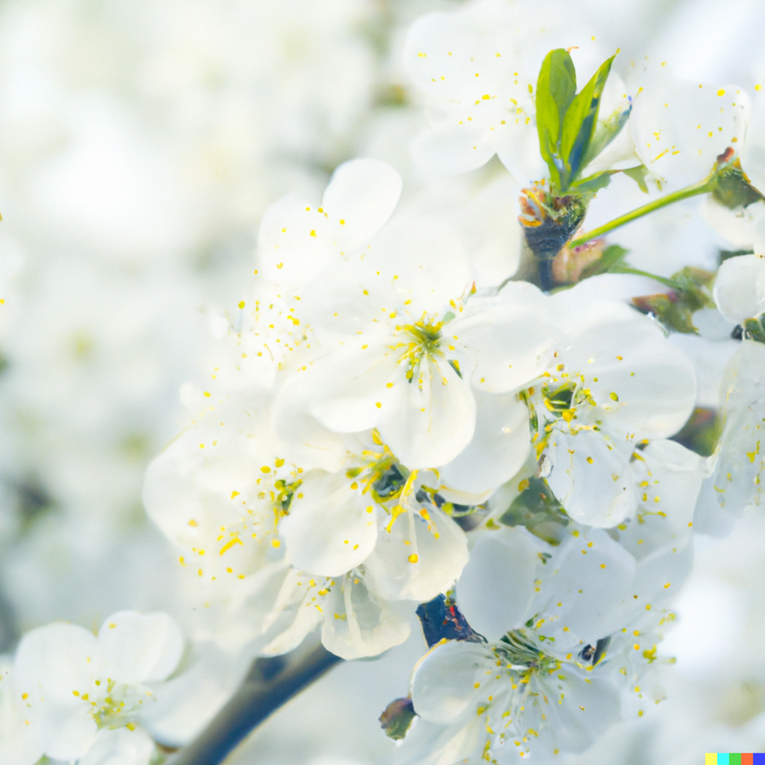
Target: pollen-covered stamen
point(563, 396)
point(114, 705)
point(391, 485)
point(520, 654)
point(420, 340)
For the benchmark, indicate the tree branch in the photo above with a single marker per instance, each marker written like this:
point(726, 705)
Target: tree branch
point(264, 690)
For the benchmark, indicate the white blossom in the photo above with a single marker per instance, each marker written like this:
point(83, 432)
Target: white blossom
point(477, 69)
point(77, 688)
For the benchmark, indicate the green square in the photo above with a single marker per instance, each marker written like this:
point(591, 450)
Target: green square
point(734, 759)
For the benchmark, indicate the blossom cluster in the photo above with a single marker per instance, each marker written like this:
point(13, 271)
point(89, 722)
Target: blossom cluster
point(459, 400)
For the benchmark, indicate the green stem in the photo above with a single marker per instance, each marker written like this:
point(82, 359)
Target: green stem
point(671, 283)
point(702, 187)
point(258, 697)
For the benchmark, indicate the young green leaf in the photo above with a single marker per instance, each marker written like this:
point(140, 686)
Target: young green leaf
point(594, 182)
point(611, 256)
point(605, 132)
point(674, 310)
point(556, 89)
point(579, 125)
point(638, 174)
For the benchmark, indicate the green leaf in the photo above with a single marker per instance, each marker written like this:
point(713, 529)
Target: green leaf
point(732, 188)
point(605, 132)
point(754, 328)
point(579, 124)
point(638, 174)
point(701, 432)
point(537, 509)
point(674, 310)
point(593, 183)
point(556, 88)
point(728, 254)
point(610, 257)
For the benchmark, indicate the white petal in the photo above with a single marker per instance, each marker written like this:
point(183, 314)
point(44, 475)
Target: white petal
point(493, 238)
point(329, 529)
point(140, 648)
point(679, 128)
point(120, 747)
point(417, 559)
point(452, 150)
point(357, 624)
point(70, 732)
point(518, 150)
point(427, 422)
point(21, 742)
point(296, 612)
point(587, 576)
point(363, 194)
point(740, 288)
point(350, 382)
point(640, 381)
point(184, 705)
point(591, 476)
point(590, 707)
point(497, 586)
point(508, 336)
point(311, 444)
point(421, 264)
point(58, 659)
point(444, 682)
point(499, 447)
point(736, 469)
point(442, 744)
point(669, 478)
point(287, 250)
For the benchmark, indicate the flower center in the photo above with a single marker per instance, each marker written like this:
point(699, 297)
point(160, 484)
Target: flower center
point(117, 704)
point(387, 480)
point(522, 655)
point(420, 339)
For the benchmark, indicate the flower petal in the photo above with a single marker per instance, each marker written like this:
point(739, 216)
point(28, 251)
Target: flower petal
point(427, 422)
point(329, 529)
point(361, 197)
point(445, 682)
point(509, 337)
point(497, 586)
point(583, 581)
point(740, 288)
point(357, 624)
point(140, 648)
point(120, 747)
point(58, 658)
point(350, 384)
point(591, 476)
point(499, 447)
point(452, 150)
point(417, 559)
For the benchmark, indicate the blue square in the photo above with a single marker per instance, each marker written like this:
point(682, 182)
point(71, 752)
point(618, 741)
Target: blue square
point(758, 759)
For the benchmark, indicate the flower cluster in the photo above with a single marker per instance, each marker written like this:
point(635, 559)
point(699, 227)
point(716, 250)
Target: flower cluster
point(417, 407)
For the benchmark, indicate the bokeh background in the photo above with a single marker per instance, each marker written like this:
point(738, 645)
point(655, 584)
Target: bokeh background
point(140, 142)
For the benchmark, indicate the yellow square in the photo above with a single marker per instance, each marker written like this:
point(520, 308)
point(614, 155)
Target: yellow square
point(710, 759)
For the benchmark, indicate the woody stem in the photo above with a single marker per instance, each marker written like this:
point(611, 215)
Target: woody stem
point(264, 690)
